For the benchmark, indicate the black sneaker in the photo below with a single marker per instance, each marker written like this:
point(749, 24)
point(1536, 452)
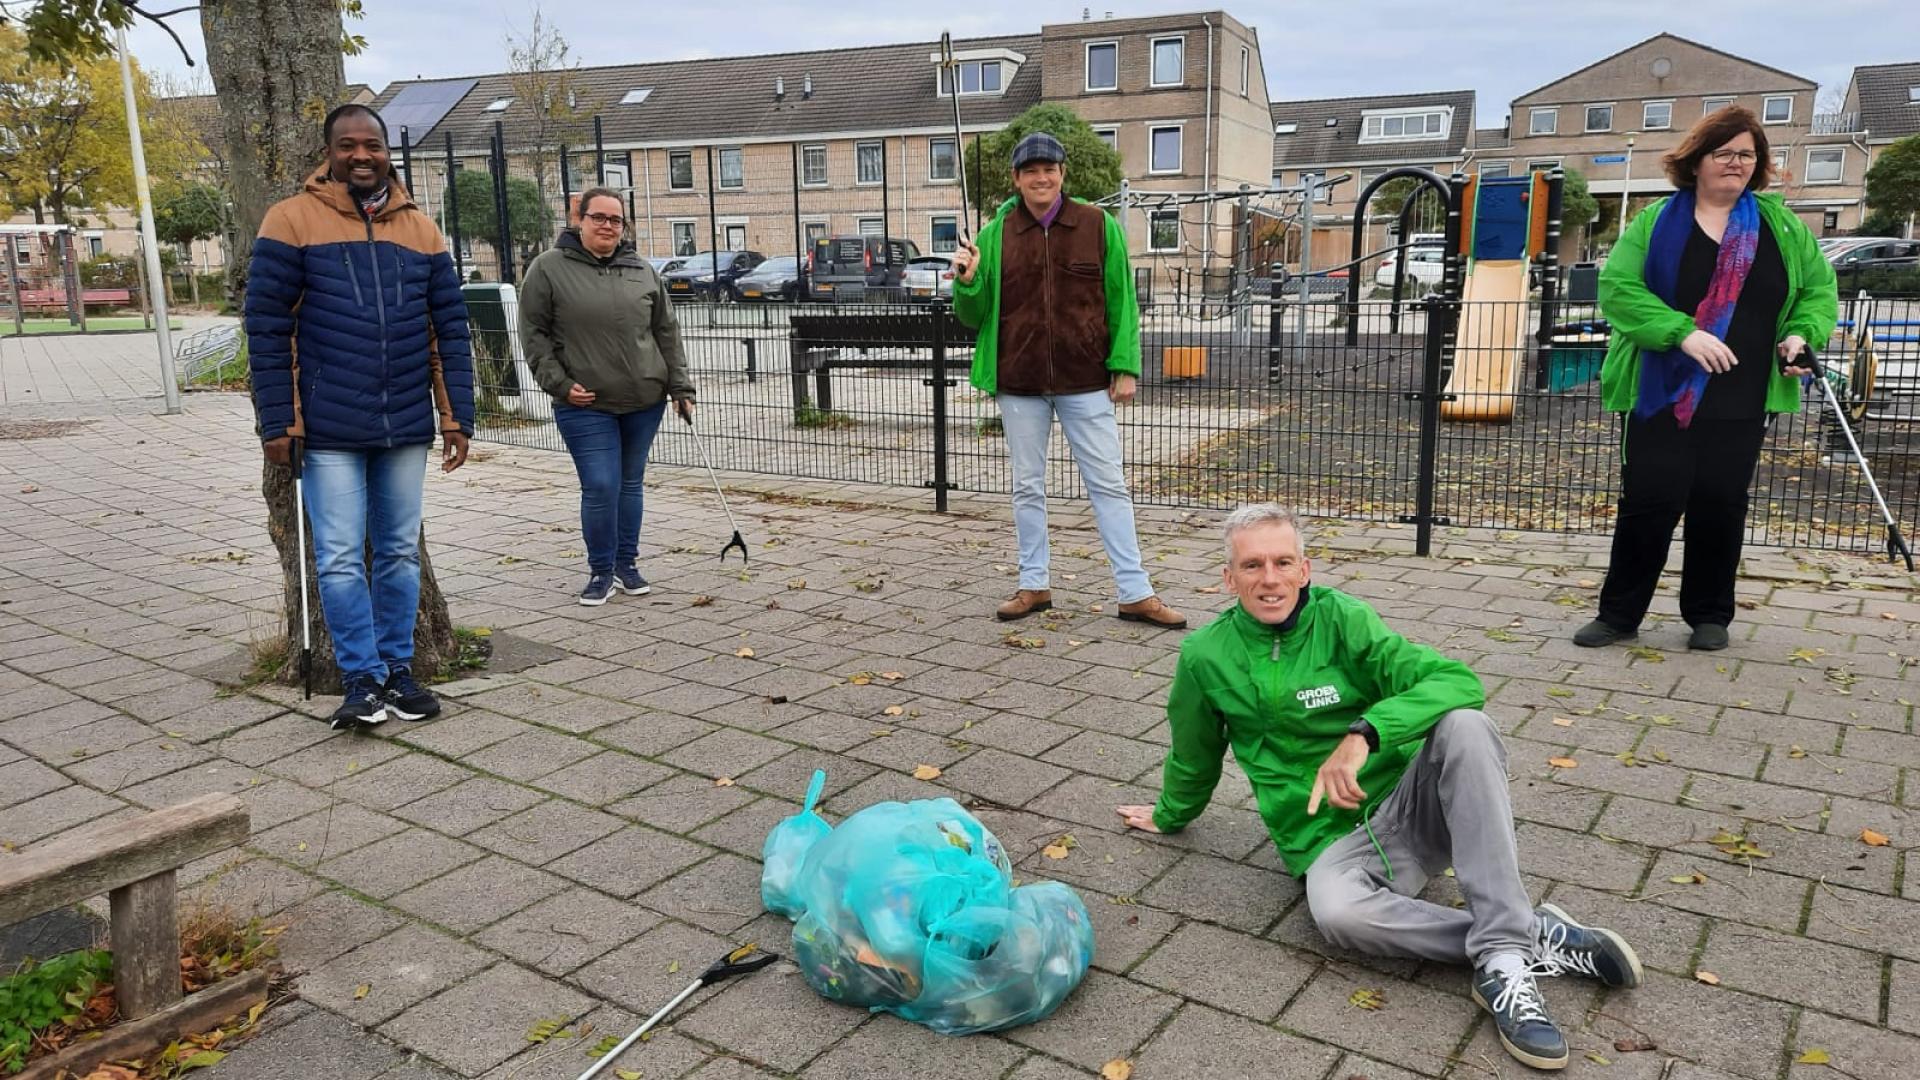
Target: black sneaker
point(1707, 637)
point(628, 580)
point(364, 706)
point(1597, 634)
point(407, 699)
point(1593, 951)
point(599, 587)
point(1520, 1016)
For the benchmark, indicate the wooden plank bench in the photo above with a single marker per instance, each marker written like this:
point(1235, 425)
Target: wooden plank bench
point(134, 862)
point(821, 344)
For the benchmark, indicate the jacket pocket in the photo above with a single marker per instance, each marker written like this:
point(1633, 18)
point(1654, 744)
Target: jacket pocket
point(346, 259)
point(1084, 269)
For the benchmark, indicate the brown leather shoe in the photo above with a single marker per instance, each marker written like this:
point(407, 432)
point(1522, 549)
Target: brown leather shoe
point(1152, 610)
point(1024, 603)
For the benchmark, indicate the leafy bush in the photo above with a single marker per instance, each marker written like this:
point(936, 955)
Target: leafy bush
point(45, 994)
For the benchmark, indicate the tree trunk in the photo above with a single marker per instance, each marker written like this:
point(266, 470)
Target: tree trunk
point(277, 68)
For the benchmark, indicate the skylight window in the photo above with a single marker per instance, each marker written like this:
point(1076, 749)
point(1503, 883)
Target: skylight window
point(499, 104)
point(636, 95)
point(1287, 128)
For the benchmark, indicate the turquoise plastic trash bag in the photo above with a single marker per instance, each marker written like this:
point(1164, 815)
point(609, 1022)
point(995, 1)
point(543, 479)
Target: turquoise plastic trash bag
point(910, 908)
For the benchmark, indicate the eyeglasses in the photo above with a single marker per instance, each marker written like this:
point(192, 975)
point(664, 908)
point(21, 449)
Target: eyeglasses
point(614, 221)
point(1728, 157)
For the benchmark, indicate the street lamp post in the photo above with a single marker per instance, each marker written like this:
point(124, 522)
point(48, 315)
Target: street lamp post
point(156, 285)
point(1626, 187)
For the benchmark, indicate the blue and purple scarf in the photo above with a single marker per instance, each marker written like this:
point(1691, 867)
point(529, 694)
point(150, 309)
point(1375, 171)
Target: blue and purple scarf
point(1670, 377)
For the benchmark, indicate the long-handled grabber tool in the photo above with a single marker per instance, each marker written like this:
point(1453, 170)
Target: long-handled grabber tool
point(737, 541)
point(300, 538)
point(952, 68)
point(740, 961)
point(1896, 545)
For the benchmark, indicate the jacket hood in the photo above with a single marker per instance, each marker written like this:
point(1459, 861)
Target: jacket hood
point(625, 255)
point(323, 186)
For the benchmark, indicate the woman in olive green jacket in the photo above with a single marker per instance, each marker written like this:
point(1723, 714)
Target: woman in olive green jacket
point(602, 339)
point(1713, 296)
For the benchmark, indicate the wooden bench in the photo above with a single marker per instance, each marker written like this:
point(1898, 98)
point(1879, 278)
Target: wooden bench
point(55, 300)
point(818, 345)
point(133, 862)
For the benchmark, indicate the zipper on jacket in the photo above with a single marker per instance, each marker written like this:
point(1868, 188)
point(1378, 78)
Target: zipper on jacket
point(380, 306)
point(346, 257)
point(1046, 253)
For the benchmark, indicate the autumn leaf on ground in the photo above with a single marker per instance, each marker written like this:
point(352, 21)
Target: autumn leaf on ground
point(894, 710)
point(1370, 1000)
point(673, 968)
point(1796, 752)
point(723, 781)
point(548, 1029)
point(744, 652)
point(1813, 1055)
point(702, 601)
point(1625, 757)
point(1874, 839)
point(1634, 1045)
point(1563, 763)
point(360, 992)
point(1695, 878)
point(797, 584)
point(1059, 848)
point(628, 1074)
point(1707, 977)
point(893, 675)
point(1210, 589)
point(1117, 1069)
point(1563, 721)
point(1648, 653)
point(113, 1072)
point(860, 678)
point(926, 772)
point(1559, 691)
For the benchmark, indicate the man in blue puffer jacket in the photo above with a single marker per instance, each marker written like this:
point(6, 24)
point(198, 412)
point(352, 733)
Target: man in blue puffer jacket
point(359, 353)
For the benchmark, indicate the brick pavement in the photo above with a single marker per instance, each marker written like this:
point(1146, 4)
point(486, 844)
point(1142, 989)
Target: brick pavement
point(555, 845)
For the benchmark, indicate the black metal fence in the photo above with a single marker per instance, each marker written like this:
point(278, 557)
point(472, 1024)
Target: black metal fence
point(1429, 412)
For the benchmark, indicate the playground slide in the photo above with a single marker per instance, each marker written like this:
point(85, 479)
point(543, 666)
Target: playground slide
point(1491, 347)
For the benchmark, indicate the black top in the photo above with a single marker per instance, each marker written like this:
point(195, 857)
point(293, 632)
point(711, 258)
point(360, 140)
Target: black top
point(1740, 394)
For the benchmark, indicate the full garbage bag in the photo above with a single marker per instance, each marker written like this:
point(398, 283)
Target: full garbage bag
point(910, 908)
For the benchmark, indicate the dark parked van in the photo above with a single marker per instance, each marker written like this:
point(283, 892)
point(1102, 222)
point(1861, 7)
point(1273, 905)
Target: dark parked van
point(852, 269)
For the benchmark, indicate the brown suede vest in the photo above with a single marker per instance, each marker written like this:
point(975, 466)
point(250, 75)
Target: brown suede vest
point(1053, 302)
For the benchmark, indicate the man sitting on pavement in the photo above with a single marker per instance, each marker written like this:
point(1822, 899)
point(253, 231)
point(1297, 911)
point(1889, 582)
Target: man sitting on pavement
point(1322, 703)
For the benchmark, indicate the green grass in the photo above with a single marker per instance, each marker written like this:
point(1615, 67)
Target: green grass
point(62, 326)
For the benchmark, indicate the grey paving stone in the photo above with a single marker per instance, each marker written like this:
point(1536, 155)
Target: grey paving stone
point(478, 894)
point(469, 805)
point(405, 779)
point(252, 887)
point(648, 971)
point(1228, 970)
point(630, 861)
point(886, 1047)
point(664, 1055)
point(683, 802)
point(327, 926)
point(1106, 1017)
point(604, 778)
point(1202, 1044)
point(1711, 1025)
point(323, 763)
point(539, 835)
point(1107, 755)
point(335, 830)
point(456, 736)
point(567, 930)
point(1019, 735)
point(789, 776)
point(905, 750)
point(1789, 968)
point(1040, 1067)
point(653, 734)
point(829, 731)
point(317, 1044)
point(737, 1019)
point(744, 832)
point(1427, 1024)
point(24, 779)
point(1847, 917)
point(484, 1020)
point(119, 769)
point(1903, 1004)
point(1858, 1049)
point(1123, 933)
point(530, 754)
point(1007, 779)
point(1231, 894)
point(1570, 856)
point(388, 867)
point(398, 970)
point(268, 740)
point(1114, 863)
point(721, 894)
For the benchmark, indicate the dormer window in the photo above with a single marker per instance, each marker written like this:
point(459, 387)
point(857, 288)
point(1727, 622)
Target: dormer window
point(983, 72)
point(976, 77)
point(1405, 125)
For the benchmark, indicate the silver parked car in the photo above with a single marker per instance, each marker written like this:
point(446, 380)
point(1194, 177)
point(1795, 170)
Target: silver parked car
point(929, 277)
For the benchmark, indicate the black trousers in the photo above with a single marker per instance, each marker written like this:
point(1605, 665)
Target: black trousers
point(1703, 473)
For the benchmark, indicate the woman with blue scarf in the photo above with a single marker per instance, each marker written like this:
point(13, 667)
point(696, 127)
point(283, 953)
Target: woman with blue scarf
point(1713, 295)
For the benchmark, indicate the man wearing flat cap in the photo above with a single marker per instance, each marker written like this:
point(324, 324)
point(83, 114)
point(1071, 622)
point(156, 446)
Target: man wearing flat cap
point(1047, 287)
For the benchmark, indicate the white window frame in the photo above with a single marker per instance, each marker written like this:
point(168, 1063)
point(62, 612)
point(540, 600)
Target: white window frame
point(1286, 127)
point(1109, 132)
point(97, 245)
point(688, 154)
point(1371, 119)
point(979, 65)
point(1768, 101)
point(1535, 165)
point(617, 175)
point(1246, 70)
point(931, 177)
point(1913, 95)
point(693, 237)
point(879, 227)
point(1152, 216)
point(500, 104)
point(1505, 164)
point(825, 178)
point(1586, 118)
point(1840, 176)
point(944, 215)
point(720, 168)
point(1647, 124)
point(1153, 50)
point(1779, 162)
point(826, 230)
point(1086, 67)
point(1708, 108)
point(878, 180)
point(1155, 129)
point(636, 96)
point(1552, 112)
point(722, 225)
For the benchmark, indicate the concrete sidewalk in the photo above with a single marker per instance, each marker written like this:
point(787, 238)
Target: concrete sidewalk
point(556, 847)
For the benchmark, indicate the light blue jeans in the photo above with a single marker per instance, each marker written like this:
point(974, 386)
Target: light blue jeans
point(357, 497)
point(1094, 436)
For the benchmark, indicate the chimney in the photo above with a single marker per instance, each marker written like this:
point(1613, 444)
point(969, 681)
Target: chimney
point(806, 87)
point(779, 88)
point(1109, 14)
point(1086, 14)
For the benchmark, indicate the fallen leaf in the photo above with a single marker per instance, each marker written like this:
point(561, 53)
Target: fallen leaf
point(1055, 851)
point(1634, 1045)
point(1888, 615)
point(1661, 756)
point(1707, 977)
point(1874, 839)
point(1559, 691)
point(1563, 721)
point(673, 968)
point(1695, 878)
point(1796, 752)
point(880, 733)
point(1625, 757)
point(628, 1074)
point(1563, 763)
point(723, 781)
point(862, 678)
point(1595, 1057)
point(360, 992)
point(797, 584)
point(926, 772)
point(1117, 1069)
point(202, 1060)
point(1587, 583)
point(702, 601)
point(29, 489)
point(1370, 1000)
point(892, 675)
point(744, 652)
point(893, 710)
point(1210, 589)
point(301, 846)
point(1813, 1055)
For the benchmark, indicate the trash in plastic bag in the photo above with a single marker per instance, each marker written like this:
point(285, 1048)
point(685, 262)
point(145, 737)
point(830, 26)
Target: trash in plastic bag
point(786, 849)
point(910, 908)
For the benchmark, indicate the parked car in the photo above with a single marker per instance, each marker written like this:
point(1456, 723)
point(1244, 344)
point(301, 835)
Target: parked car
point(696, 278)
point(779, 278)
point(1875, 253)
point(928, 278)
point(844, 269)
point(666, 264)
point(1425, 265)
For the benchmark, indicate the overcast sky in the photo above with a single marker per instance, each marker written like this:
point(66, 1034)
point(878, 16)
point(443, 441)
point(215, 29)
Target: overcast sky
point(1499, 48)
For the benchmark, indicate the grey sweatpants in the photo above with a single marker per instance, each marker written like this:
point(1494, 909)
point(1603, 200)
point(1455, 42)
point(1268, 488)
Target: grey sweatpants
point(1449, 809)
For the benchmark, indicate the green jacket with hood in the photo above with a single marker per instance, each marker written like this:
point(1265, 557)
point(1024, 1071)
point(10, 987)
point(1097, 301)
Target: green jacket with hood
point(1283, 698)
point(1641, 320)
point(605, 324)
point(977, 303)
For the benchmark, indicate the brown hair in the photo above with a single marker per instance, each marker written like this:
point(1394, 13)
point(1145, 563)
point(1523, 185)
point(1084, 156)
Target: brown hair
point(1715, 130)
point(586, 199)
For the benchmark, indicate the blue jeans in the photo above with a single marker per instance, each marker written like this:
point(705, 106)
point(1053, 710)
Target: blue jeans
point(356, 498)
point(1094, 435)
point(610, 454)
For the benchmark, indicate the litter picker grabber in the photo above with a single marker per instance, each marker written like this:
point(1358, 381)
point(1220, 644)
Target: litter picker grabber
point(1896, 545)
point(300, 537)
point(952, 68)
point(737, 541)
point(740, 961)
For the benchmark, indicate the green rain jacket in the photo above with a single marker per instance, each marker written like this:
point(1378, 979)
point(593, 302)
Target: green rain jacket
point(1284, 699)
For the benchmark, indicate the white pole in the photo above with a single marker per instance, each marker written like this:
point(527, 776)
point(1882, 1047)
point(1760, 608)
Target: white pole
point(156, 286)
point(1626, 191)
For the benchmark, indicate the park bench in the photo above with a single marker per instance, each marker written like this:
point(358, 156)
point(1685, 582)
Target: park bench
point(133, 861)
point(819, 345)
point(55, 300)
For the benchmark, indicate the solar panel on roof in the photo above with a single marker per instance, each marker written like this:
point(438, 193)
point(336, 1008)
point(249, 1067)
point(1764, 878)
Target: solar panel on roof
point(422, 105)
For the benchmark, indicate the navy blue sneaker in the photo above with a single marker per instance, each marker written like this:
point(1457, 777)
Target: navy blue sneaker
point(628, 580)
point(1593, 951)
point(365, 705)
point(599, 587)
point(407, 699)
point(1520, 1016)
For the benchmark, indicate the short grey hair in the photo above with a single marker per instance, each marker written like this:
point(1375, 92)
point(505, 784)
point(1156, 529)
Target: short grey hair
point(1255, 514)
